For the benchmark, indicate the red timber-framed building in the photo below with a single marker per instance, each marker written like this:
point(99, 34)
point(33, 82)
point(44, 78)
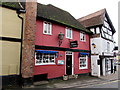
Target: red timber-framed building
point(62, 44)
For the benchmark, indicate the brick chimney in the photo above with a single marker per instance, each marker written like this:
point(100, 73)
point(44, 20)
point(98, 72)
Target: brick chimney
point(28, 47)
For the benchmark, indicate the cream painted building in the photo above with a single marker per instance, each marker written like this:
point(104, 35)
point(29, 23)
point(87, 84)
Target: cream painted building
point(10, 43)
point(11, 28)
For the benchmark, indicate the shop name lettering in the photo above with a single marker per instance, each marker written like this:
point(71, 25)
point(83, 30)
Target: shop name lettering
point(73, 44)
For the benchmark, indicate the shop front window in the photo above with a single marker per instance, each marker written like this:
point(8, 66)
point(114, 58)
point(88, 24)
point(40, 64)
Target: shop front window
point(83, 62)
point(44, 58)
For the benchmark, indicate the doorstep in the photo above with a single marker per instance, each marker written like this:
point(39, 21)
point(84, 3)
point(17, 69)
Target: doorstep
point(68, 77)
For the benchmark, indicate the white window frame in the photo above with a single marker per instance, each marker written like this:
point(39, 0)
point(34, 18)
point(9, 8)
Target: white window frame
point(81, 36)
point(86, 56)
point(49, 63)
point(48, 28)
point(67, 34)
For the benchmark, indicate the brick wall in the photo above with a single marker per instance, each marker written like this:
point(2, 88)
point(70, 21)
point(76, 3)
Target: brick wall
point(28, 47)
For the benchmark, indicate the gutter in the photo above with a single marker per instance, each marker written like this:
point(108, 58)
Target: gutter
point(18, 13)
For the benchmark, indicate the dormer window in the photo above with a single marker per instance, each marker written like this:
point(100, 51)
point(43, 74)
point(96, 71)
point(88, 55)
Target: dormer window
point(47, 29)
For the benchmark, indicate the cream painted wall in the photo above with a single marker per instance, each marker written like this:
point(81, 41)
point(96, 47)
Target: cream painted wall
point(10, 57)
point(11, 24)
point(0, 43)
point(10, 51)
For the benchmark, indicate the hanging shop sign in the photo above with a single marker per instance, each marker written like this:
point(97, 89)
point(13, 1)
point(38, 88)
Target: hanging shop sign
point(73, 44)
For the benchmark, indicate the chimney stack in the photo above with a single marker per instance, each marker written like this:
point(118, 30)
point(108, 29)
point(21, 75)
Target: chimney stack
point(28, 47)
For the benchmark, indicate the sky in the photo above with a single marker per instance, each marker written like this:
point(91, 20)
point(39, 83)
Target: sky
point(80, 8)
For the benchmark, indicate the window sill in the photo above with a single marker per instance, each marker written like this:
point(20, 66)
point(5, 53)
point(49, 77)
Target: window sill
point(45, 64)
point(83, 41)
point(83, 68)
point(69, 38)
point(46, 34)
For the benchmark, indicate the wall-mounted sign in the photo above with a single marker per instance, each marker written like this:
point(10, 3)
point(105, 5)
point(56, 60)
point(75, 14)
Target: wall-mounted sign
point(73, 44)
point(94, 45)
point(60, 62)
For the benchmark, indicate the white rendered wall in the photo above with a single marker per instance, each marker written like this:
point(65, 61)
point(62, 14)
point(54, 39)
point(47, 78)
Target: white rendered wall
point(95, 68)
point(101, 46)
point(104, 46)
point(97, 42)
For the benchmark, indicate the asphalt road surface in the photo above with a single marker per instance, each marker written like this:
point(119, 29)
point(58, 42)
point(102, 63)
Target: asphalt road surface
point(112, 84)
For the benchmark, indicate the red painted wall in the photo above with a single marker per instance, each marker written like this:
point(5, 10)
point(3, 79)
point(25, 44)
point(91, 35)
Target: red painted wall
point(54, 71)
point(76, 65)
point(52, 40)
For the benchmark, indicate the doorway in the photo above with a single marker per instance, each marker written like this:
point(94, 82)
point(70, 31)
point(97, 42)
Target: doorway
point(101, 66)
point(69, 63)
point(112, 66)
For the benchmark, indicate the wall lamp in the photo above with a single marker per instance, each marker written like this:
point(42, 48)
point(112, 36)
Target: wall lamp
point(60, 37)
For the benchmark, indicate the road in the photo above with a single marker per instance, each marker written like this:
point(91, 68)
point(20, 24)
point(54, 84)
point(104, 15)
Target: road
point(112, 84)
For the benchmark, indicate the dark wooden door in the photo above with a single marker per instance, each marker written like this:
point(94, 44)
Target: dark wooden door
point(112, 65)
point(101, 67)
point(69, 64)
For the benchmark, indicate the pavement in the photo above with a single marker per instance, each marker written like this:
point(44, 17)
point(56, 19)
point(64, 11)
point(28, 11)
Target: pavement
point(81, 81)
point(110, 77)
point(114, 76)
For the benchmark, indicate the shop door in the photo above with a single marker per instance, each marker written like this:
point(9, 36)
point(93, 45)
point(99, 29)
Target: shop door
point(112, 66)
point(101, 66)
point(68, 64)
point(108, 65)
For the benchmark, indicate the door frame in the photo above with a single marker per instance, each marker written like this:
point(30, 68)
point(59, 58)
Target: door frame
point(72, 61)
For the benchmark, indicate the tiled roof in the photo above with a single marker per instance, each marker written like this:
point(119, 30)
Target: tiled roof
point(53, 13)
point(13, 5)
point(95, 19)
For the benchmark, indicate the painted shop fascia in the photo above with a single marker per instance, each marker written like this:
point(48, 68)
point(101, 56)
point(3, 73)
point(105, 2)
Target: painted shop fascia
point(102, 42)
point(53, 56)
